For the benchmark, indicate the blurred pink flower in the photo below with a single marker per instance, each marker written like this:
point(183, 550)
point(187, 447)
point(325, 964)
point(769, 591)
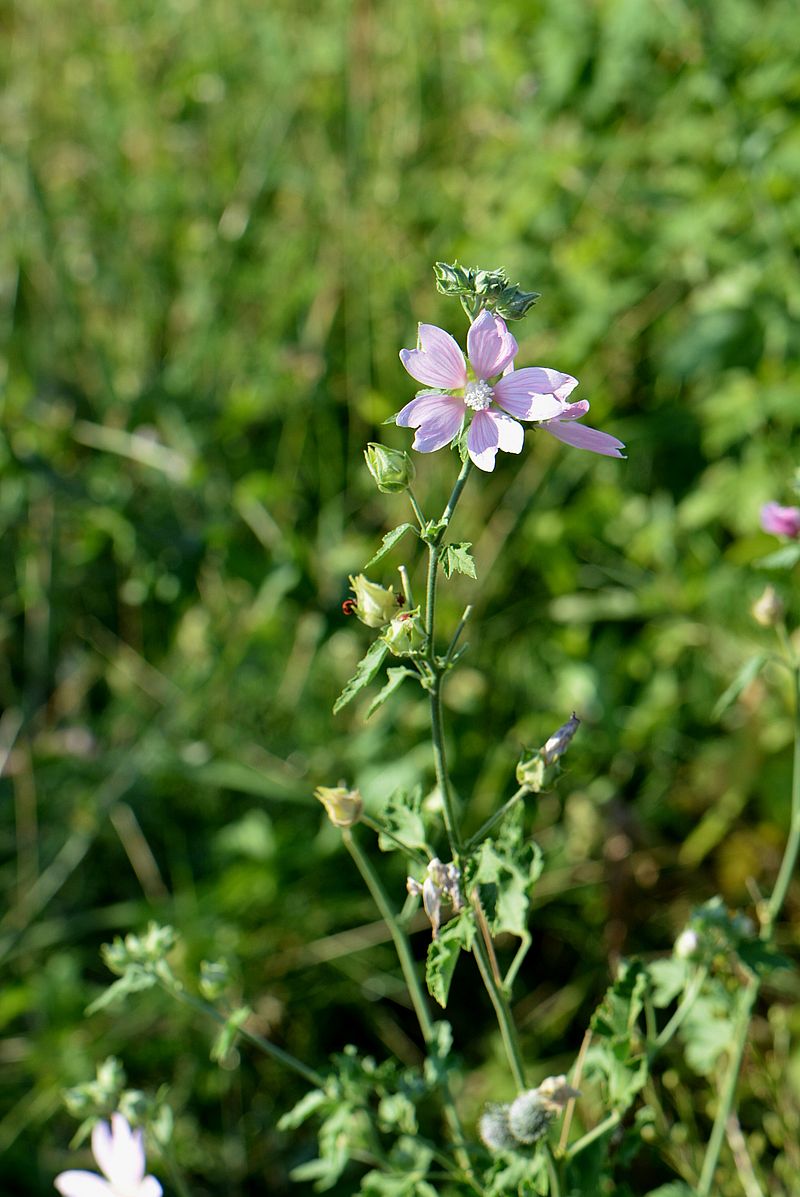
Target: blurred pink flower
point(578, 435)
point(781, 521)
point(534, 393)
point(119, 1152)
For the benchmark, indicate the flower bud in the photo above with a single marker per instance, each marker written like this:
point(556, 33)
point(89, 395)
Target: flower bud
point(686, 944)
point(406, 634)
point(558, 743)
point(342, 806)
point(530, 772)
point(529, 1117)
point(215, 978)
point(781, 521)
point(392, 469)
point(374, 605)
point(768, 610)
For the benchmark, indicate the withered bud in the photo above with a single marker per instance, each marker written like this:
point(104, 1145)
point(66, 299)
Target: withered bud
point(342, 806)
point(768, 610)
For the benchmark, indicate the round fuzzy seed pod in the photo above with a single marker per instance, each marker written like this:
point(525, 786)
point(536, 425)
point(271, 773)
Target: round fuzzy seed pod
point(529, 1117)
point(494, 1129)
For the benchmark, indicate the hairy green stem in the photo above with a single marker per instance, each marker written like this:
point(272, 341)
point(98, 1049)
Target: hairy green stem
point(269, 1049)
point(775, 904)
point(602, 1128)
point(728, 1095)
point(494, 987)
point(417, 508)
point(409, 969)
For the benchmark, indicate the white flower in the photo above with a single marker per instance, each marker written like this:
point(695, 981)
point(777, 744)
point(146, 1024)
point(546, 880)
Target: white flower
point(119, 1152)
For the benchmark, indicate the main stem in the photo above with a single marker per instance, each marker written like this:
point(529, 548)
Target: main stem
point(482, 955)
point(748, 999)
point(437, 673)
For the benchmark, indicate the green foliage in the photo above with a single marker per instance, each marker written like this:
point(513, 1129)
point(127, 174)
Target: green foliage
point(402, 815)
point(368, 666)
point(456, 558)
point(389, 541)
point(444, 951)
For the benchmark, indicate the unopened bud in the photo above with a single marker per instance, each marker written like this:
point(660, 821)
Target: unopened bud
point(768, 610)
point(686, 944)
point(406, 634)
point(342, 806)
point(558, 743)
point(494, 1130)
point(392, 469)
point(374, 605)
point(530, 772)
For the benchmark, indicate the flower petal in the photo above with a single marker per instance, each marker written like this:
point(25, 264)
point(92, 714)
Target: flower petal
point(534, 393)
point(119, 1152)
point(437, 417)
point(438, 361)
point(82, 1184)
point(490, 431)
point(574, 411)
point(490, 345)
point(581, 437)
point(781, 521)
point(150, 1187)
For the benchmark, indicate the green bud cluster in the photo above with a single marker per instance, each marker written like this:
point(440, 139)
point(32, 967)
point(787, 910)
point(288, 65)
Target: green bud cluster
point(98, 1097)
point(478, 289)
point(143, 950)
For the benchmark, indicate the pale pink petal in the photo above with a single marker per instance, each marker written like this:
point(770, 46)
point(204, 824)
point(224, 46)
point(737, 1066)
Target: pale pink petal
point(82, 1184)
point(150, 1188)
point(511, 434)
point(781, 521)
point(437, 418)
point(119, 1152)
point(490, 346)
point(533, 393)
point(438, 361)
point(483, 441)
point(581, 437)
point(574, 411)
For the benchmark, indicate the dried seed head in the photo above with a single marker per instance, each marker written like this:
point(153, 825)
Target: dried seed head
point(494, 1130)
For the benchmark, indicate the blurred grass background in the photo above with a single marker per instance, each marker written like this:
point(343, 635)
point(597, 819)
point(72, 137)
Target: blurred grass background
point(220, 221)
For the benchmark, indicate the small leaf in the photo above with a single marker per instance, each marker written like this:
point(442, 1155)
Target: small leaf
point(443, 954)
point(396, 677)
point(669, 977)
point(783, 558)
point(748, 673)
point(227, 1036)
point(456, 558)
point(134, 980)
point(366, 669)
point(402, 817)
point(389, 541)
point(306, 1106)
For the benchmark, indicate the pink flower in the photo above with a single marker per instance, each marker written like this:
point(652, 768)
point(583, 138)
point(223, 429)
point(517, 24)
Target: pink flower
point(781, 521)
point(119, 1152)
point(578, 435)
point(535, 393)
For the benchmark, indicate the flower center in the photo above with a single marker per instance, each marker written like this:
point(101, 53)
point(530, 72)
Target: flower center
point(478, 395)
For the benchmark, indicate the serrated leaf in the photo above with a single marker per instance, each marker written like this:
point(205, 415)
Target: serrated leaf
point(389, 541)
point(669, 977)
point(748, 673)
point(506, 879)
point(707, 1032)
point(783, 558)
point(402, 817)
point(366, 669)
point(615, 1017)
point(305, 1107)
point(396, 677)
point(443, 954)
point(456, 558)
